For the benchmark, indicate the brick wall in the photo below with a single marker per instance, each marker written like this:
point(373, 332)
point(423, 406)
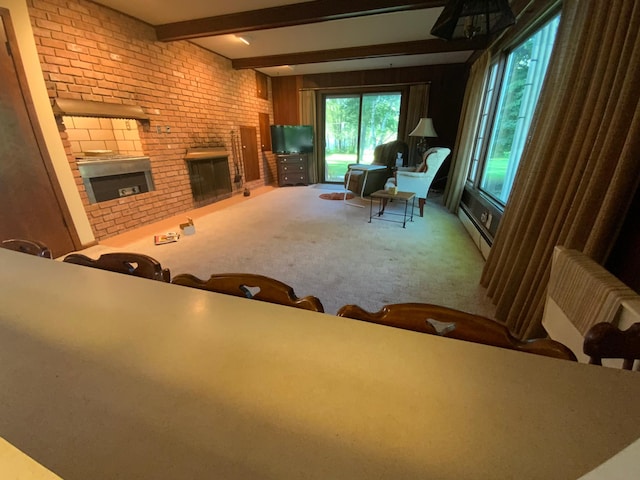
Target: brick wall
point(89, 52)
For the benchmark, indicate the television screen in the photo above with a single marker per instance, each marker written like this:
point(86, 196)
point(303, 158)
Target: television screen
point(291, 138)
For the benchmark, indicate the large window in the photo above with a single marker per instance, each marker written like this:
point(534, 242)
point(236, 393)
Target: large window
point(354, 125)
point(506, 117)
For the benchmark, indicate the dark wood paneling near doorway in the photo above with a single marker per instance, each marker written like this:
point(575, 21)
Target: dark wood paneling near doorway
point(250, 153)
point(262, 86)
point(447, 85)
point(447, 82)
point(32, 202)
point(265, 132)
point(285, 100)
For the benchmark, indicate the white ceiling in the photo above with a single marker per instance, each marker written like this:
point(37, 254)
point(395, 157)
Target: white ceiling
point(388, 28)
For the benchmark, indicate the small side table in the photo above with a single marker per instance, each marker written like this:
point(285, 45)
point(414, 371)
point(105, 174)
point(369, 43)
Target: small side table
point(383, 196)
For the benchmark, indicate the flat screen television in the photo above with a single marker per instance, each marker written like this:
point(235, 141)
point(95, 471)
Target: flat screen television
point(291, 138)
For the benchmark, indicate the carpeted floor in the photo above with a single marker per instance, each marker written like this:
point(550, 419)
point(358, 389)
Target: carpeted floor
point(329, 249)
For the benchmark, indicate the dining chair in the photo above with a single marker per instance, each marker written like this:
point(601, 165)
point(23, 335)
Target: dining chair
point(136, 264)
point(249, 285)
point(605, 340)
point(32, 247)
point(448, 322)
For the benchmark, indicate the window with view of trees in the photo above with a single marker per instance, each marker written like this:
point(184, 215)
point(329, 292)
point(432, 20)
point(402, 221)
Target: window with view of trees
point(354, 125)
point(519, 80)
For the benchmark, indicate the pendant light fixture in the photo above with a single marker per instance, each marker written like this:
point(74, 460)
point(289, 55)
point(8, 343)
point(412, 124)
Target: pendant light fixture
point(472, 18)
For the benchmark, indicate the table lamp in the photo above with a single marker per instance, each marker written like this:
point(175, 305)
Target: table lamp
point(425, 130)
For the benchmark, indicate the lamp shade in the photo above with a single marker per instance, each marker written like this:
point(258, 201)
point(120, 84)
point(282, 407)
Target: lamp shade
point(424, 129)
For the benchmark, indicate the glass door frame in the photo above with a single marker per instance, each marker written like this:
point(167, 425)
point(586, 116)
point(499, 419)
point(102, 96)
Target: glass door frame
point(320, 118)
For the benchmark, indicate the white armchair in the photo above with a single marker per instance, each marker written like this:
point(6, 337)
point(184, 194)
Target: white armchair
point(419, 181)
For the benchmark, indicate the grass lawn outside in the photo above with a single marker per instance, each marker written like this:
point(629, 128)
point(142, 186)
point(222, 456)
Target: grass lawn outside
point(337, 164)
point(494, 174)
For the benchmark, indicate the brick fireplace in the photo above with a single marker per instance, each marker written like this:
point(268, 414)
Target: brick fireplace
point(189, 96)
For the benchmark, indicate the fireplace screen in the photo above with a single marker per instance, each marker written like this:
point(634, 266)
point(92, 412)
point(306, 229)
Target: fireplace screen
point(209, 175)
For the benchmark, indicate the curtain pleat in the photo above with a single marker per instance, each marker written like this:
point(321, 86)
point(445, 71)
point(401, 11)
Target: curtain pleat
point(308, 117)
point(464, 146)
point(417, 108)
point(581, 165)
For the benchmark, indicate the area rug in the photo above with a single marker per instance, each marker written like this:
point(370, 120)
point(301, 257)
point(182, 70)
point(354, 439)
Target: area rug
point(336, 196)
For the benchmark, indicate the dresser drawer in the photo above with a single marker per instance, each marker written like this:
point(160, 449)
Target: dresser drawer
point(293, 168)
point(293, 179)
point(292, 160)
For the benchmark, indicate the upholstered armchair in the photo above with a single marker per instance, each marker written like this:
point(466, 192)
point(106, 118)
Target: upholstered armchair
point(419, 181)
point(384, 155)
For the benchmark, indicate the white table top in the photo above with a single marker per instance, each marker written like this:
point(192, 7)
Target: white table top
point(365, 166)
point(109, 376)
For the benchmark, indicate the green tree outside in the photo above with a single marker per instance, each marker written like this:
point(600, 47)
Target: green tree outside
point(354, 126)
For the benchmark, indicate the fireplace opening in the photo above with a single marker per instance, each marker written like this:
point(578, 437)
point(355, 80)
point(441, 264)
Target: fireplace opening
point(115, 176)
point(209, 175)
point(115, 186)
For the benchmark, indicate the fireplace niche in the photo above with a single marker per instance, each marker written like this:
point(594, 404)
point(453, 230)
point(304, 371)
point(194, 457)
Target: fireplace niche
point(108, 178)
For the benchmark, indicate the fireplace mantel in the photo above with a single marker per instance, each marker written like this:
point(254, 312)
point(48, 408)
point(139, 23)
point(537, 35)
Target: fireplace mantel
point(198, 153)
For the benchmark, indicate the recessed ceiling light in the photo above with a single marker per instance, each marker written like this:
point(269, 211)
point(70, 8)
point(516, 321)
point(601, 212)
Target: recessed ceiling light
point(244, 39)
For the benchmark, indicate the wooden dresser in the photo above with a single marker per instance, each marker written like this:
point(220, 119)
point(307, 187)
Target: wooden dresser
point(292, 169)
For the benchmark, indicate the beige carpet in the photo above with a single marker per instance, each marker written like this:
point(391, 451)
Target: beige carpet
point(328, 249)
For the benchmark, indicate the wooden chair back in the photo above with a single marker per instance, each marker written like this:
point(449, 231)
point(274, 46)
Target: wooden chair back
point(604, 340)
point(32, 247)
point(248, 285)
point(448, 322)
point(135, 264)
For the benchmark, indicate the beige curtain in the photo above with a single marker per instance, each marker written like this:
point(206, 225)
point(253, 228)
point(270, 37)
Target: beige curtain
point(308, 117)
point(581, 166)
point(418, 107)
point(463, 149)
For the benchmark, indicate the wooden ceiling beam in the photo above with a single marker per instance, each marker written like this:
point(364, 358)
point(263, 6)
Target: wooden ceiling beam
point(355, 53)
point(285, 16)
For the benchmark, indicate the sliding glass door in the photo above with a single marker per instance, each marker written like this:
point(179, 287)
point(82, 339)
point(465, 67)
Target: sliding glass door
point(354, 125)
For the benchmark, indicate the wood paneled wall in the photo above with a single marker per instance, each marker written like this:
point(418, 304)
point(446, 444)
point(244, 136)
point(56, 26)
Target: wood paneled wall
point(447, 92)
point(286, 104)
